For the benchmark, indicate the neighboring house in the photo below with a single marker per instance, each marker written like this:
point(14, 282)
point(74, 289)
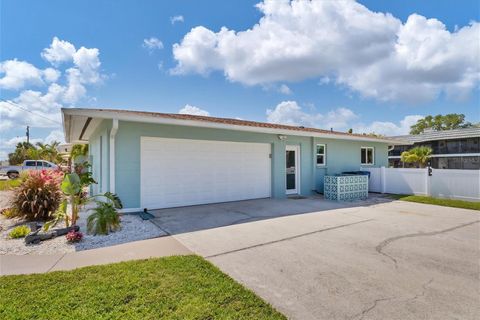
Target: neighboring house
point(158, 160)
point(452, 149)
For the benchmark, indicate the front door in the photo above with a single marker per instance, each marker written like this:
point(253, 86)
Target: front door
point(292, 169)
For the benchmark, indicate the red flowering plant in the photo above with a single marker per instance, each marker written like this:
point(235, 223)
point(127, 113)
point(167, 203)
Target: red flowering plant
point(74, 236)
point(39, 195)
point(51, 176)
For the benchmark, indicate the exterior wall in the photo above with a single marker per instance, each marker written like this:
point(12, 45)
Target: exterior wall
point(341, 155)
point(461, 153)
point(344, 155)
point(100, 162)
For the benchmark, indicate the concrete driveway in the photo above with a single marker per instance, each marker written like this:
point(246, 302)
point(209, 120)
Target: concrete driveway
point(316, 259)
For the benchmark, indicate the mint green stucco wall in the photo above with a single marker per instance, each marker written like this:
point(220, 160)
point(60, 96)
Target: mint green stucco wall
point(100, 164)
point(341, 155)
point(344, 155)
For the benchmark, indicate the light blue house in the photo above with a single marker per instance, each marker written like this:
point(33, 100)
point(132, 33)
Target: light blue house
point(157, 160)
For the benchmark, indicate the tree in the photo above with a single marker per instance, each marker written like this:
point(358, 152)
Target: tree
point(440, 122)
point(22, 152)
point(25, 151)
point(79, 150)
point(49, 152)
point(417, 155)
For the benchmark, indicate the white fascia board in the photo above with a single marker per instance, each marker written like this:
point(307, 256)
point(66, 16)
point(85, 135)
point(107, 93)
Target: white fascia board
point(106, 114)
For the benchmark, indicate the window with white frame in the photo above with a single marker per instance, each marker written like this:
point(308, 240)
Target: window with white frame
point(367, 155)
point(321, 154)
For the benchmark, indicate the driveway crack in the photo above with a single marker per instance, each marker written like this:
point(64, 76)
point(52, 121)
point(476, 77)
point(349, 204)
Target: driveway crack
point(364, 312)
point(424, 290)
point(288, 238)
point(382, 245)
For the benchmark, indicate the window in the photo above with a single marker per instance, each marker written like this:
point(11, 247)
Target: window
point(367, 155)
point(46, 164)
point(321, 154)
point(31, 164)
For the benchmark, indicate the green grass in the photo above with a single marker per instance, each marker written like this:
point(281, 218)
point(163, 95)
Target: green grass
point(181, 287)
point(439, 202)
point(9, 184)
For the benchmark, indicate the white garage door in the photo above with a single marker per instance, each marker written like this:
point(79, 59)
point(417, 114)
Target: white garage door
point(180, 172)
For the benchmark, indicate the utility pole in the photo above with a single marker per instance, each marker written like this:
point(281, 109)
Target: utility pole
point(28, 134)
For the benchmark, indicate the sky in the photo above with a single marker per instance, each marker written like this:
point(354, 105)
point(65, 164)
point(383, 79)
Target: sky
point(373, 66)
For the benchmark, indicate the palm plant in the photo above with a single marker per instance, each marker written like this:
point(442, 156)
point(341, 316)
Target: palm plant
point(417, 155)
point(103, 220)
point(74, 196)
point(79, 150)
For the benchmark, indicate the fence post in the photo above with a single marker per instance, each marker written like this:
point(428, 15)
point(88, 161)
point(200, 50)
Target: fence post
point(427, 183)
point(383, 180)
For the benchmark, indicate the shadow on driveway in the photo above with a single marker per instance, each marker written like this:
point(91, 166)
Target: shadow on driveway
point(194, 218)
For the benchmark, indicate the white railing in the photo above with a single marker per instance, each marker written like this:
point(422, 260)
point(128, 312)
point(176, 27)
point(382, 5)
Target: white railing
point(443, 183)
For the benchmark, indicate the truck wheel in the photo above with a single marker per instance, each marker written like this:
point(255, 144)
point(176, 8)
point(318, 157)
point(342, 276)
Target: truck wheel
point(13, 175)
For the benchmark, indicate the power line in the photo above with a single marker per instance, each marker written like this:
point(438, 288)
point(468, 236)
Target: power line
point(24, 109)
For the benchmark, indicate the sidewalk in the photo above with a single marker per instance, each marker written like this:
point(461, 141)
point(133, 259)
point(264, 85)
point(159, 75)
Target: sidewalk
point(151, 248)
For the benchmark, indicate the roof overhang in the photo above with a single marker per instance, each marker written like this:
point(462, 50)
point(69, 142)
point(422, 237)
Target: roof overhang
point(80, 123)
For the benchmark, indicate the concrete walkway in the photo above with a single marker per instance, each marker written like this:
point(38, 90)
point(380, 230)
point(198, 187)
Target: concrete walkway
point(151, 248)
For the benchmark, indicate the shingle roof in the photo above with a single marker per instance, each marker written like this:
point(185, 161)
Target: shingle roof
point(194, 120)
point(237, 122)
point(471, 132)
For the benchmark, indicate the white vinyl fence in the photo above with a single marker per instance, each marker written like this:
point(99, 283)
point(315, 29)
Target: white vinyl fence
point(443, 183)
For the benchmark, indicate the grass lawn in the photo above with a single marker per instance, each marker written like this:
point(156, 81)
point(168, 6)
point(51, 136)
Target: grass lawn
point(181, 287)
point(9, 184)
point(439, 202)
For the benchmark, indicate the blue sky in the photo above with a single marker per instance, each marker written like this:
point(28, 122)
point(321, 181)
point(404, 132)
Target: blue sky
point(318, 75)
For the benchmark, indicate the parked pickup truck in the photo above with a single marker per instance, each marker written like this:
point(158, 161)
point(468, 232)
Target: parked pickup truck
point(14, 171)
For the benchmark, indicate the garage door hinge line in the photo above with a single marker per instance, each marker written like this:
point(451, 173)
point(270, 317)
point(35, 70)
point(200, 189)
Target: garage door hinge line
point(288, 238)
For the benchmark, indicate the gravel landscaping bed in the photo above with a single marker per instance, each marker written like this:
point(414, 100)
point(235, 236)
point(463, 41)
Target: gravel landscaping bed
point(133, 228)
point(4, 199)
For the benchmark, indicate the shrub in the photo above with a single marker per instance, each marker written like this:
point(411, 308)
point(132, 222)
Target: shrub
point(9, 213)
point(103, 220)
point(74, 236)
point(39, 195)
point(19, 232)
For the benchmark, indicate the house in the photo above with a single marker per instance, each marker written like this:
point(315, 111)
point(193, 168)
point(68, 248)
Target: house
point(159, 160)
point(451, 149)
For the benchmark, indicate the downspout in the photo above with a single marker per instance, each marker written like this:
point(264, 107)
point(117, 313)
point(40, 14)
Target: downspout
point(314, 166)
point(113, 133)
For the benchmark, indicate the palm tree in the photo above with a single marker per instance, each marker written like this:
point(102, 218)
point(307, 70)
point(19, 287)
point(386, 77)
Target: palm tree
point(417, 155)
point(79, 150)
point(49, 152)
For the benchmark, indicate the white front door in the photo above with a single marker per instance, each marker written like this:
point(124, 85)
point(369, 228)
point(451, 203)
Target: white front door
point(183, 172)
point(292, 155)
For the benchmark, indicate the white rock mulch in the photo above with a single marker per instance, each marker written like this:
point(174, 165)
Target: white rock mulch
point(5, 199)
point(133, 228)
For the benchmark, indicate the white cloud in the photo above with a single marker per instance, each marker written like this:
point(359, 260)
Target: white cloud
point(188, 109)
point(55, 135)
point(88, 64)
point(59, 51)
point(18, 74)
point(285, 89)
point(40, 108)
point(290, 113)
point(388, 128)
point(176, 19)
point(340, 119)
point(152, 44)
point(51, 75)
point(372, 53)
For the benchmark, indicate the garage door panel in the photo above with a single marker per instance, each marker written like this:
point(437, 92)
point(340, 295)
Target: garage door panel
point(179, 172)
